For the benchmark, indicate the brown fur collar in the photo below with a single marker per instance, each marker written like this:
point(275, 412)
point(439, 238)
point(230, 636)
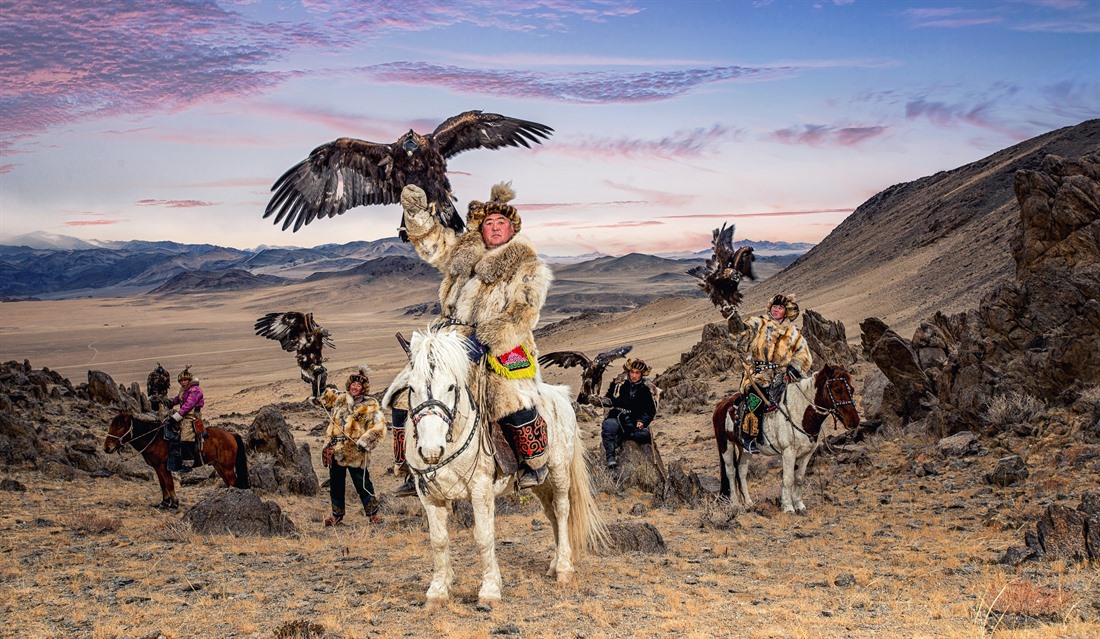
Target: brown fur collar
point(503, 261)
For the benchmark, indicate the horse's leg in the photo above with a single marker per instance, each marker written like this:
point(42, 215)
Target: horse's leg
point(545, 493)
point(800, 481)
point(440, 589)
point(741, 459)
point(483, 501)
point(224, 461)
point(728, 467)
point(167, 486)
point(788, 478)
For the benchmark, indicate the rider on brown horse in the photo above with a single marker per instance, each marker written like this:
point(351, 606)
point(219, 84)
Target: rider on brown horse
point(779, 355)
point(184, 428)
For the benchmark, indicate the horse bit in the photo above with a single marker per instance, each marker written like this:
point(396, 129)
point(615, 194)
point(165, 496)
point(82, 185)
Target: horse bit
point(433, 406)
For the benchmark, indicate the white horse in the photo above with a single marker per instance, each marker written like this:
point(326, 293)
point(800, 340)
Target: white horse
point(449, 453)
point(793, 431)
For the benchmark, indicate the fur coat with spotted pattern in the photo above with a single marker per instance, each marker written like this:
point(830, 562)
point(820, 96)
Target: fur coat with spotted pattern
point(766, 340)
point(359, 421)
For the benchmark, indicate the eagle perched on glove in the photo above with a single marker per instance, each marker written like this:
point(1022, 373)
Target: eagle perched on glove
point(299, 334)
point(722, 273)
point(347, 172)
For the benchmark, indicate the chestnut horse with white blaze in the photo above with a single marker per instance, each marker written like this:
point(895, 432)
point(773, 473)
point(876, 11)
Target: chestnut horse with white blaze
point(793, 431)
point(449, 451)
point(221, 449)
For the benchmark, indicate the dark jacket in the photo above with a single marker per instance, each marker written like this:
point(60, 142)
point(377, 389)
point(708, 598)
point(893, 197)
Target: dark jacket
point(631, 402)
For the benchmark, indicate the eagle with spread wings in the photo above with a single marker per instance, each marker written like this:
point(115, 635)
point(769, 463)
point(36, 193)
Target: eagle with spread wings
point(592, 369)
point(347, 172)
point(723, 271)
point(298, 333)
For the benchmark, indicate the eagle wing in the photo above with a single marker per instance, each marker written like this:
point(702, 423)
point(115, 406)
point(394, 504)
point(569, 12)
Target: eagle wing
point(722, 273)
point(337, 176)
point(605, 358)
point(287, 328)
point(477, 130)
point(565, 359)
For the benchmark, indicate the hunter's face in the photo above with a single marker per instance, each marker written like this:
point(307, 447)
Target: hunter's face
point(496, 230)
point(635, 375)
point(778, 312)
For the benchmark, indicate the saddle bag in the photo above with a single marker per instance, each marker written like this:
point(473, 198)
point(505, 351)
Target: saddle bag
point(327, 454)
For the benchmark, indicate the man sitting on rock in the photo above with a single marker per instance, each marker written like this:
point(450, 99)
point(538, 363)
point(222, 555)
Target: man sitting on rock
point(632, 409)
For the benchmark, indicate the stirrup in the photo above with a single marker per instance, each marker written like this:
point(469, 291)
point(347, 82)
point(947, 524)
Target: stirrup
point(407, 489)
point(532, 477)
point(612, 463)
point(751, 447)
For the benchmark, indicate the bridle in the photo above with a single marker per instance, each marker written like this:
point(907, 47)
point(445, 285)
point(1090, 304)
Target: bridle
point(433, 406)
point(125, 438)
point(847, 398)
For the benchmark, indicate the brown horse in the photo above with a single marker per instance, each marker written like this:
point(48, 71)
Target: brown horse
point(221, 449)
point(792, 432)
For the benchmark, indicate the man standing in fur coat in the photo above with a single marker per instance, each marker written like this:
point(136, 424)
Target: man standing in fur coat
point(778, 352)
point(355, 427)
point(494, 285)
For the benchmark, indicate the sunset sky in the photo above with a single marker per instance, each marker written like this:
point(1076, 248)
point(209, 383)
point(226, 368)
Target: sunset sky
point(170, 120)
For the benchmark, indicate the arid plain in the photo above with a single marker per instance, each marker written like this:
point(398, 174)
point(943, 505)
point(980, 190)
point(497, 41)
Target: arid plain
point(882, 552)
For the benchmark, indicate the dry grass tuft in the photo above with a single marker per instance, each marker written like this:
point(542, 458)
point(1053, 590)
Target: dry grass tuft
point(299, 629)
point(91, 524)
point(1012, 408)
point(174, 529)
point(719, 513)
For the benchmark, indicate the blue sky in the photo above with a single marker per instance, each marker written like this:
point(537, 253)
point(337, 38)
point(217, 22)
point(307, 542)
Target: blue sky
point(170, 120)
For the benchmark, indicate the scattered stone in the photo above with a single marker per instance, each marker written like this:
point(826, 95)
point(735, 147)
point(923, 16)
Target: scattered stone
point(12, 485)
point(844, 580)
point(1010, 471)
point(634, 537)
point(958, 445)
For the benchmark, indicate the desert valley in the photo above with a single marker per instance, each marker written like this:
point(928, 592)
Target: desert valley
point(966, 505)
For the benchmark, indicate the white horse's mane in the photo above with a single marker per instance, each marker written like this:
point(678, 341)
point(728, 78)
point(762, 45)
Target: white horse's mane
point(443, 348)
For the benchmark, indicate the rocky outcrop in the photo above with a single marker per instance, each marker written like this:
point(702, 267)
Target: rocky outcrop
point(280, 465)
point(684, 386)
point(1034, 336)
point(827, 340)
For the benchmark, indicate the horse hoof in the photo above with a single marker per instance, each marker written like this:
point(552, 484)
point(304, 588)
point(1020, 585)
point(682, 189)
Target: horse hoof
point(488, 602)
point(565, 577)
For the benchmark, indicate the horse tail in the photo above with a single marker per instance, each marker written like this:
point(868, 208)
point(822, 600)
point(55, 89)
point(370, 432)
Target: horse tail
point(242, 463)
point(587, 529)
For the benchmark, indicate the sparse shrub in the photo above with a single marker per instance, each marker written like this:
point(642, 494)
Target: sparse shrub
point(719, 512)
point(1090, 397)
point(1012, 408)
point(1019, 597)
point(299, 629)
point(91, 524)
point(175, 530)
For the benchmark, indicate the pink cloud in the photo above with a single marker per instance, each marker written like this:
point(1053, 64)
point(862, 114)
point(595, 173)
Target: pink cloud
point(824, 135)
point(93, 222)
point(691, 143)
point(547, 206)
point(719, 216)
point(176, 204)
point(6, 168)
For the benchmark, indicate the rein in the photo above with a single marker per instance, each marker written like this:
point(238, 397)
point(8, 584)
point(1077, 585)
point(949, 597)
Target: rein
point(125, 439)
point(824, 410)
point(431, 406)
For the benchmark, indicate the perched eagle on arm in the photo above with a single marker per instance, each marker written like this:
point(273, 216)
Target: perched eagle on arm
point(158, 385)
point(592, 373)
point(299, 334)
point(347, 172)
point(722, 273)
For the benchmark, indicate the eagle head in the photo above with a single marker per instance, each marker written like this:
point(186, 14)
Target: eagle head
point(410, 144)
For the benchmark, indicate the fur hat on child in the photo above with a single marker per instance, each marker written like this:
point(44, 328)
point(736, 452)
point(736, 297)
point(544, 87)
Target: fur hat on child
point(498, 204)
point(360, 376)
point(637, 365)
point(185, 374)
point(787, 302)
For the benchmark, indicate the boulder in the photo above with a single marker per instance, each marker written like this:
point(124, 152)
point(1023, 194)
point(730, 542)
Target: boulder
point(102, 389)
point(1009, 471)
point(683, 386)
point(640, 537)
point(239, 512)
point(959, 445)
point(291, 463)
point(827, 340)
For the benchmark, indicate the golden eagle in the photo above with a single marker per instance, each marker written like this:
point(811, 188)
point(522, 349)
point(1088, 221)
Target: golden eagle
point(347, 172)
point(722, 273)
point(158, 385)
point(592, 373)
point(299, 334)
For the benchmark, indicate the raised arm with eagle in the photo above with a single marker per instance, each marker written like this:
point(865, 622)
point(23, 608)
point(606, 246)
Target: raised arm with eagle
point(347, 172)
point(299, 334)
point(592, 369)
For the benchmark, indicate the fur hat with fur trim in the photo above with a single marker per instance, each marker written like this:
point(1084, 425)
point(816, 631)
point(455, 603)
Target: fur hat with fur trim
point(787, 302)
point(498, 204)
point(360, 376)
point(637, 365)
point(185, 374)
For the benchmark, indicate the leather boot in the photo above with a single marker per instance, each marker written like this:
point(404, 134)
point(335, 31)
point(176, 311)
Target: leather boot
point(528, 431)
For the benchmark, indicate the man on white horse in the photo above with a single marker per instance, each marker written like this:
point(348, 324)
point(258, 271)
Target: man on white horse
point(779, 355)
point(494, 285)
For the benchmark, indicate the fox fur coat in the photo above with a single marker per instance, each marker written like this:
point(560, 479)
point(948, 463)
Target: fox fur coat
point(768, 341)
point(495, 295)
point(360, 423)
